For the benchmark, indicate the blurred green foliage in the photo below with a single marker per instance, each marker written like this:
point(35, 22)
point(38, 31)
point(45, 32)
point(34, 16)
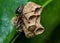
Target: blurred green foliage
point(50, 19)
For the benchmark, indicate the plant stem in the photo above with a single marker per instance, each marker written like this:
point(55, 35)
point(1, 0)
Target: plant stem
point(46, 3)
point(14, 38)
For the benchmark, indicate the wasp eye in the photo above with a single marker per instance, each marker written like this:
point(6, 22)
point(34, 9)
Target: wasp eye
point(19, 10)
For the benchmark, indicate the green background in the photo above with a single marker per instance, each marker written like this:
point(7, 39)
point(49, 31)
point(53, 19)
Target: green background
point(50, 19)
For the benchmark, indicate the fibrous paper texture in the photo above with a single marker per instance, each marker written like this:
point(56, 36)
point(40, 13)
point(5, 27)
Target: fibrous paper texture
point(32, 23)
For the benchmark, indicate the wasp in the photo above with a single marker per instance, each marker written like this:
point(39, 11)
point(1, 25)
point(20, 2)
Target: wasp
point(19, 24)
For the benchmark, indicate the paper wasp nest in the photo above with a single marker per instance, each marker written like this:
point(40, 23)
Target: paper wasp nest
point(28, 20)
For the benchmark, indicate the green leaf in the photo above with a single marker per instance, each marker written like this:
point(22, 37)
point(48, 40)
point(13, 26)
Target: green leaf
point(49, 19)
point(7, 11)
